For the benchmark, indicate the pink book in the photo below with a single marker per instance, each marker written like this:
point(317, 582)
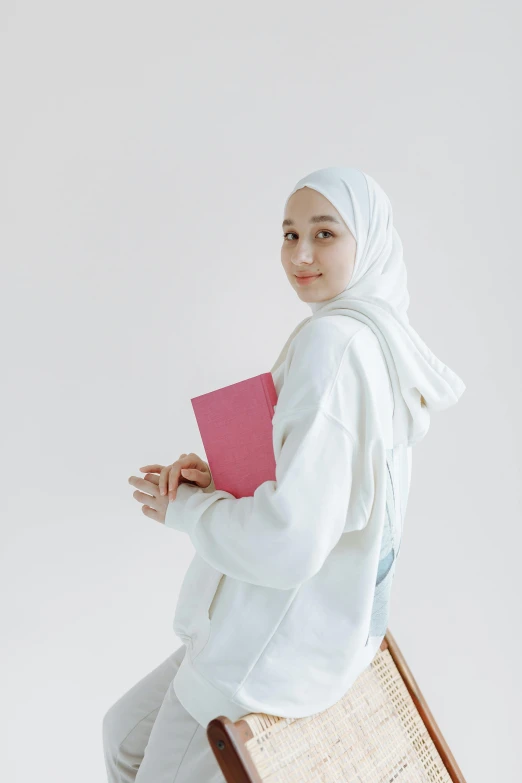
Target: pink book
point(235, 423)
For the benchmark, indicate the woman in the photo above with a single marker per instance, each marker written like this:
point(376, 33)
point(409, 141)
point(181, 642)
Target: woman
point(287, 598)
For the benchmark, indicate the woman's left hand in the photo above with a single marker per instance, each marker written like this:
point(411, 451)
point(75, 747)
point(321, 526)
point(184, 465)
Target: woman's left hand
point(148, 492)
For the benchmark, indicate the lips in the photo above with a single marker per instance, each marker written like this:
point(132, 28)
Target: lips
point(300, 277)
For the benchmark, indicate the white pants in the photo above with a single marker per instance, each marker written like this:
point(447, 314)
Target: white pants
point(149, 737)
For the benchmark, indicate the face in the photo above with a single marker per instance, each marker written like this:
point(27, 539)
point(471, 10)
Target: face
point(316, 241)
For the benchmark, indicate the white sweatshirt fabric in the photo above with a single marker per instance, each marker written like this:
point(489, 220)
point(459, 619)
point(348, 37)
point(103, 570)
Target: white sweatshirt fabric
point(286, 600)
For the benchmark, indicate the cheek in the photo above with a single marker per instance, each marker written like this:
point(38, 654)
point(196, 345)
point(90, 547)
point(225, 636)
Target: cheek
point(335, 275)
point(339, 267)
point(287, 265)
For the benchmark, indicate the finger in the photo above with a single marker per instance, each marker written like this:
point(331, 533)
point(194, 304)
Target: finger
point(152, 477)
point(152, 513)
point(185, 460)
point(192, 474)
point(175, 475)
point(156, 468)
point(196, 475)
point(142, 497)
point(163, 479)
point(142, 483)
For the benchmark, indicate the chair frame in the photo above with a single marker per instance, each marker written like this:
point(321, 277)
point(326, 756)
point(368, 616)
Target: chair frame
point(227, 738)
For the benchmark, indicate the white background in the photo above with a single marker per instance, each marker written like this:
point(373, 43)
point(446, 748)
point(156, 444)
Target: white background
point(147, 152)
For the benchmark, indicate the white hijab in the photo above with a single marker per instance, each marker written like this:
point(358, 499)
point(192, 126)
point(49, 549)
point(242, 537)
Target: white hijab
point(377, 295)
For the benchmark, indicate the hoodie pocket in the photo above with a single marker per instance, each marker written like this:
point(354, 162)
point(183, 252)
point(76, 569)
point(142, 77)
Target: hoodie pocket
point(192, 618)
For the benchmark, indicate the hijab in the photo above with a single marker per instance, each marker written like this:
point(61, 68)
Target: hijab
point(377, 295)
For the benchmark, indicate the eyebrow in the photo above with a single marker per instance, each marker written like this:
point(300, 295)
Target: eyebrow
point(314, 219)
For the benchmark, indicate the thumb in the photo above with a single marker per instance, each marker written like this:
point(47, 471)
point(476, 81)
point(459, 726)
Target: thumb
point(193, 474)
point(190, 471)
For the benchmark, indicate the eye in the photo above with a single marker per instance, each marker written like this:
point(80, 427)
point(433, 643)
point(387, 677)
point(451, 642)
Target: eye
point(324, 231)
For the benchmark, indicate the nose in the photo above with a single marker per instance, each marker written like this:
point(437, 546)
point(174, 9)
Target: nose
point(301, 257)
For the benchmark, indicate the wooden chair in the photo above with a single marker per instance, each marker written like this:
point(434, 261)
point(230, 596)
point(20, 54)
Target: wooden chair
point(381, 731)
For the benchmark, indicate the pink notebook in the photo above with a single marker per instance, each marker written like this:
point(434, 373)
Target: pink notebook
point(235, 424)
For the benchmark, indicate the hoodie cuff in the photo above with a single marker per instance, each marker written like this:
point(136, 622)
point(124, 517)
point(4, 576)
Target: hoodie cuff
point(174, 514)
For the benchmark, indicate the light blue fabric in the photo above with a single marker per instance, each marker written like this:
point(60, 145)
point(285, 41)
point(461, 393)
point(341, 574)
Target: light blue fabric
point(390, 546)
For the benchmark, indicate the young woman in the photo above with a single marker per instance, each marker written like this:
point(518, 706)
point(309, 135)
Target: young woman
point(287, 598)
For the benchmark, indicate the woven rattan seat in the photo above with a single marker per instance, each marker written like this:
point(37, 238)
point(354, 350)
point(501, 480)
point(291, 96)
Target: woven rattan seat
point(381, 731)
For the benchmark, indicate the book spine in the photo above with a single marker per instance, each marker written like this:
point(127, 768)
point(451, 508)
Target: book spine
point(271, 406)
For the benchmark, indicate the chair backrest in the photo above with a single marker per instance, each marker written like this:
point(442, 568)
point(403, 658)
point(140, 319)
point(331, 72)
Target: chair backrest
point(381, 730)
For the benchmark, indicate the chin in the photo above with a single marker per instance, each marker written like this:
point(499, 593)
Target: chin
point(308, 296)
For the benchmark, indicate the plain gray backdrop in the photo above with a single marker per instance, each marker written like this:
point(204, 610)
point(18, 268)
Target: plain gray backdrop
point(147, 152)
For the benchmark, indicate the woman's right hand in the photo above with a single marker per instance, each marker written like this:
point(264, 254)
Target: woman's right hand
point(189, 468)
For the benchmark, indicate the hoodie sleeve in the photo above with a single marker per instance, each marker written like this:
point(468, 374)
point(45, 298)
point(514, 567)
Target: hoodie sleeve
point(280, 536)
point(325, 431)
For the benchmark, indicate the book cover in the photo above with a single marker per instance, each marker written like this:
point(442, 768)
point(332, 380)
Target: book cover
point(235, 423)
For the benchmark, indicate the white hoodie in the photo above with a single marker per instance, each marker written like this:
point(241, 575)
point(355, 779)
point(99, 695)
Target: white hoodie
point(286, 600)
